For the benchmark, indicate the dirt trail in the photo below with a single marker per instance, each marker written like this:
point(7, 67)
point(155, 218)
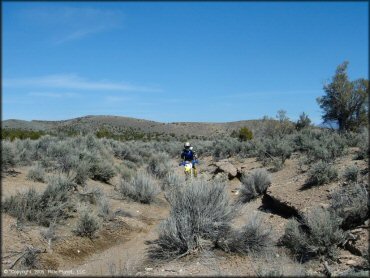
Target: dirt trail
point(122, 259)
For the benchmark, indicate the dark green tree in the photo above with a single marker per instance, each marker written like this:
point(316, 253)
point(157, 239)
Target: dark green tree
point(245, 134)
point(345, 101)
point(303, 121)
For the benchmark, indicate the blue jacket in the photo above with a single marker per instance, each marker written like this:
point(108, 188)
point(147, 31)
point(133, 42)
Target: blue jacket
point(188, 155)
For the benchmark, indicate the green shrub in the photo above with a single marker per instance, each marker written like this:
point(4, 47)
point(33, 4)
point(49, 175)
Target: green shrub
point(245, 134)
point(321, 173)
point(12, 134)
point(303, 122)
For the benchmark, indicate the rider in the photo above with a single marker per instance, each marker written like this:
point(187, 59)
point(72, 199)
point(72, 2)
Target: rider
point(188, 154)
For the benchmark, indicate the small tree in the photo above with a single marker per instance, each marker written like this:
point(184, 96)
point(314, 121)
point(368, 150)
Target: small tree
point(345, 101)
point(285, 126)
point(303, 121)
point(245, 134)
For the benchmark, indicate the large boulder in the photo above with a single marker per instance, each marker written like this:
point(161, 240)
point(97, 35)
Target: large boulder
point(226, 167)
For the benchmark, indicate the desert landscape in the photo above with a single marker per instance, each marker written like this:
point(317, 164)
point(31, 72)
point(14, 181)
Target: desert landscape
point(185, 139)
point(290, 204)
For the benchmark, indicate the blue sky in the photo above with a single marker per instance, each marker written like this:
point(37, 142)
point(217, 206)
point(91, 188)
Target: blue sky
point(176, 61)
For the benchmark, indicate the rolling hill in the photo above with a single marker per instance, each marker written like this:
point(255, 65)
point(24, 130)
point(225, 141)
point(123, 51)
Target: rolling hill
point(118, 125)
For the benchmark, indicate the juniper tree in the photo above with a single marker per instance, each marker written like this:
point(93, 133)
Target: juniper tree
point(345, 101)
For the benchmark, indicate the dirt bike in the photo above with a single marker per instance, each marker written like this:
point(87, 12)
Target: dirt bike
point(189, 170)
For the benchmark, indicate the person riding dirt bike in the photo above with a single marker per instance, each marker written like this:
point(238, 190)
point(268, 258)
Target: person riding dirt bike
point(189, 157)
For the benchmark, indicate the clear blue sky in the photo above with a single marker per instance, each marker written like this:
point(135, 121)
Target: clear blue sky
point(177, 61)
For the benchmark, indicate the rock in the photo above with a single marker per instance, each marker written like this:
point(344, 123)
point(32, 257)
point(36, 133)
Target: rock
point(358, 245)
point(148, 269)
point(226, 167)
point(351, 262)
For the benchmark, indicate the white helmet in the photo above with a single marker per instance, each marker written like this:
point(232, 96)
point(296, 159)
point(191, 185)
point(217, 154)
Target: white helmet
point(187, 145)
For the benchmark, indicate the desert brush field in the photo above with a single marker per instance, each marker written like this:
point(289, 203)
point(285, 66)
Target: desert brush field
point(287, 202)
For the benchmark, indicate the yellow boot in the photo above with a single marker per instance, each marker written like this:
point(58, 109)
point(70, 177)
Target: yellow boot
point(195, 172)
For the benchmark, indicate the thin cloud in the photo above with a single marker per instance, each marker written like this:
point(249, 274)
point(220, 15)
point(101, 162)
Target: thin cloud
point(72, 23)
point(73, 82)
point(114, 99)
point(54, 95)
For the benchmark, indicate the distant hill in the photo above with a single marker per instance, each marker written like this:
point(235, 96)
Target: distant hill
point(118, 125)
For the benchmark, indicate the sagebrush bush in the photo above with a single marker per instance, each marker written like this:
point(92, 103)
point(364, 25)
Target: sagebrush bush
point(350, 203)
point(44, 208)
point(82, 172)
point(253, 237)
point(159, 165)
point(351, 173)
point(172, 181)
point(126, 172)
point(363, 145)
point(200, 216)
point(141, 188)
point(275, 148)
point(23, 206)
point(36, 173)
point(104, 208)
point(319, 233)
point(321, 172)
point(102, 171)
point(7, 156)
point(23, 151)
point(254, 184)
point(87, 224)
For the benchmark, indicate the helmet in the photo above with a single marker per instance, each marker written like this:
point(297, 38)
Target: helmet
point(187, 145)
